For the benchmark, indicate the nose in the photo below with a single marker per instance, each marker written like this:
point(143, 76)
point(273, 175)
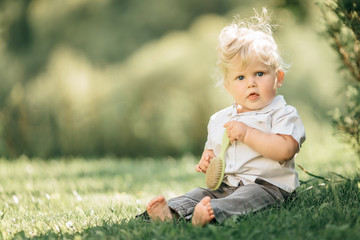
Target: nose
point(251, 83)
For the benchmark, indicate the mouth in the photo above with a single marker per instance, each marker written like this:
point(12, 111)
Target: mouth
point(253, 96)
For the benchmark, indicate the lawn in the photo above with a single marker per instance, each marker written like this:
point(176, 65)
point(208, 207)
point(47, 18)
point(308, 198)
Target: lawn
point(98, 198)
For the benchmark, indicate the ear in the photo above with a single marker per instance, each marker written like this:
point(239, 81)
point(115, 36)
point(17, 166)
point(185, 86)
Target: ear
point(280, 78)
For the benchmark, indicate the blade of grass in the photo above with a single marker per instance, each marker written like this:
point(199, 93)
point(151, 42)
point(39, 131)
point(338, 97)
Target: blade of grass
point(341, 176)
point(313, 175)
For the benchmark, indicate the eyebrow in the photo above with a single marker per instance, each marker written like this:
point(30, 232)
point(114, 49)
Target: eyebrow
point(259, 69)
point(262, 70)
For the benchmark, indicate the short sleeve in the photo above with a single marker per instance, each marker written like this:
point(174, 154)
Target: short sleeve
point(286, 121)
point(209, 144)
point(216, 130)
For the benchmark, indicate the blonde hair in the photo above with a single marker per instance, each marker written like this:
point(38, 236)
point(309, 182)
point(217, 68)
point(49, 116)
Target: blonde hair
point(244, 39)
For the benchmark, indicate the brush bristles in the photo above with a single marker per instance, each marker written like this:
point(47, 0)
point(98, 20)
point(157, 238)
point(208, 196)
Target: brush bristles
point(213, 173)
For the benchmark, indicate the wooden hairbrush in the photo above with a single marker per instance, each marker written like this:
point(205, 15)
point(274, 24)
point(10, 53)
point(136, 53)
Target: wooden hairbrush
point(216, 168)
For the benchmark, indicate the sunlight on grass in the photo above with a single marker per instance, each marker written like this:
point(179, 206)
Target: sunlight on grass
point(68, 196)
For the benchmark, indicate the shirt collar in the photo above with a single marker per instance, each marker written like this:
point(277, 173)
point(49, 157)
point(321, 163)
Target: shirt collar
point(277, 102)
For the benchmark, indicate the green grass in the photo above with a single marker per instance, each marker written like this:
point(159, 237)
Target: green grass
point(97, 199)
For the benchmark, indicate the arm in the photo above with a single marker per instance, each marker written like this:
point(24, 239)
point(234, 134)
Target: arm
point(204, 162)
point(274, 146)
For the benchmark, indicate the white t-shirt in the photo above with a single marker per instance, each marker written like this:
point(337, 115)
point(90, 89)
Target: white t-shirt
point(245, 164)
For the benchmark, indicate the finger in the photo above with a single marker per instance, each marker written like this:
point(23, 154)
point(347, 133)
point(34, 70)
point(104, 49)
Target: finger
point(202, 167)
point(229, 136)
point(205, 164)
point(197, 168)
point(228, 124)
point(229, 129)
point(205, 158)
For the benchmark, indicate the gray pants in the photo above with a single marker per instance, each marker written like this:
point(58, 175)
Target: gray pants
point(229, 201)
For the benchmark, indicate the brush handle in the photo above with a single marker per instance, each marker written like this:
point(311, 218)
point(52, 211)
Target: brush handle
point(224, 145)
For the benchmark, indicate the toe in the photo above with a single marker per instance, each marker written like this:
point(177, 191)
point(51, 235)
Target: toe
point(205, 200)
point(155, 201)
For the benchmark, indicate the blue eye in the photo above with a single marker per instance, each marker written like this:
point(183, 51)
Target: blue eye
point(241, 77)
point(259, 74)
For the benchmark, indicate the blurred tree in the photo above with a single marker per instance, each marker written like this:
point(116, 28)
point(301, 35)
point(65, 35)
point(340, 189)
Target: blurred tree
point(300, 8)
point(342, 21)
point(110, 77)
point(343, 28)
point(18, 37)
point(105, 32)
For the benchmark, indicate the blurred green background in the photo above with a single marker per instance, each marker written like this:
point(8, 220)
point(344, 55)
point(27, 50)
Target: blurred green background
point(136, 78)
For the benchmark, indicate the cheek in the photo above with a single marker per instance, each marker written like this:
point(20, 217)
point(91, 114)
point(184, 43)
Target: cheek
point(270, 84)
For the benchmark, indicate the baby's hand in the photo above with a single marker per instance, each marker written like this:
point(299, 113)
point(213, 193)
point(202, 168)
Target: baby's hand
point(236, 130)
point(205, 160)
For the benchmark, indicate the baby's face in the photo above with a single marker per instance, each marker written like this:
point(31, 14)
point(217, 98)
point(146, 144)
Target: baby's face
point(253, 87)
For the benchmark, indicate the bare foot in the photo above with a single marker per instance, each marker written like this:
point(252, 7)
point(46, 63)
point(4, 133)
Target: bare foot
point(203, 213)
point(158, 209)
